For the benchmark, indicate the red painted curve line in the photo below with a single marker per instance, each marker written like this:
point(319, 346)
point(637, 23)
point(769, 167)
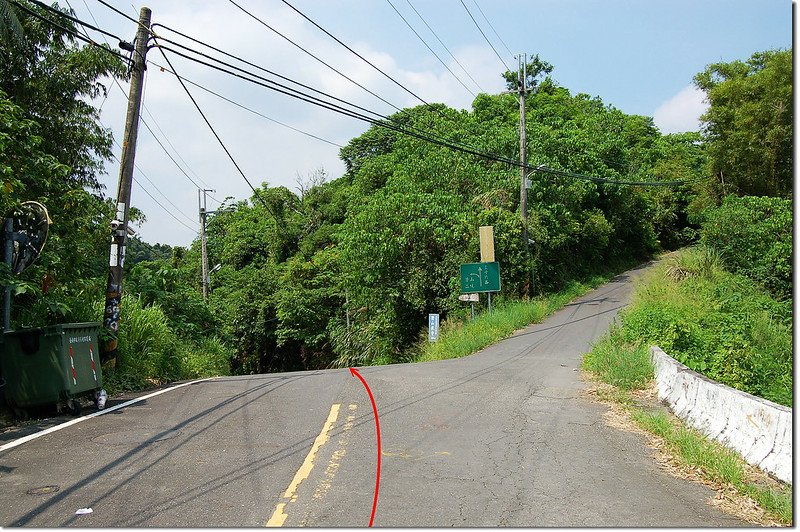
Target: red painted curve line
point(355, 372)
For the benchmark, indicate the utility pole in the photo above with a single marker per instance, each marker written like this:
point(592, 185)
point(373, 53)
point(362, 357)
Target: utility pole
point(201, 204)
point(119, 226)
point(523, 157)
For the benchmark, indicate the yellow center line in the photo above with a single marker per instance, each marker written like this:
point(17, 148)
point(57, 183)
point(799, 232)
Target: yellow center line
point(336, 458)
point(279, 515)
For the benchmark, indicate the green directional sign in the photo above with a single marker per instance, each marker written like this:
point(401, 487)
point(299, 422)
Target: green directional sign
point(480, 277)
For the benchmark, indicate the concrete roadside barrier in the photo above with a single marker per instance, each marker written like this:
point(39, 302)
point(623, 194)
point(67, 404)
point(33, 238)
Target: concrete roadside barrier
point(759, 430)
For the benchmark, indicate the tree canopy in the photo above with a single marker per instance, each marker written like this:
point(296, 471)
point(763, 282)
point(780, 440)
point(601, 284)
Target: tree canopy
point(748, 125)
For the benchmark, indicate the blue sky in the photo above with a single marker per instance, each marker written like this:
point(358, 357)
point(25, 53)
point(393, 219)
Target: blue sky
point(637, 55)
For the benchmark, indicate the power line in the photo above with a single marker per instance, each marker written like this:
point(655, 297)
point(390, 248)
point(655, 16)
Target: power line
point(445, 46)
point(253, 111)
point(247, 72)
point(199, 110)
point(237, 58)
point(304, 97)
point(345, 76)
point(139, 170)
point(484, 35)
point(91, 41)
point(490, 25)
point(164, 208)
point(166, 137)
point(104, 214)
point(112, 8)
point(429, 48)
point(269, 84)
point(66, 30)
point(281, 88)
point(420, 135)
point(329, 34)
point(388, 125)
point(177, 153)
point(73, 19)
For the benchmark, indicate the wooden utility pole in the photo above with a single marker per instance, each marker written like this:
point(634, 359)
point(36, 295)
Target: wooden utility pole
point(119, 226)
point(202, 207)
point(523, 157)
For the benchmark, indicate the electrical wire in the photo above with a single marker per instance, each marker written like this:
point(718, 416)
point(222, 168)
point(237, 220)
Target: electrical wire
point(242, 106)
point(168, 211)
point(494, 30)
point(445, 46)
point(66, 30)
point(267, 80)
point(329, 34)
point(307, 98)
point(237, 58)
point(484, 35)
point(73, 19)
point(112, 8)
point(174, 149)
point(429, 48)
point(205, 119)
point(422, 136)
point(155, 123)
point(426, 137)
point(345, 76)
point(259, 80)
point(380, 123)
point(283, 88)
point(164, 208)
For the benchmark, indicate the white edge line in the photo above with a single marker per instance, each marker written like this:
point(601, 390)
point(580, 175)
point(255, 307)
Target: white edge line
point(25, 439)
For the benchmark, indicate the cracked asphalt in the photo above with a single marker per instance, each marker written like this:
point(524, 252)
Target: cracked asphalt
point(504, 437)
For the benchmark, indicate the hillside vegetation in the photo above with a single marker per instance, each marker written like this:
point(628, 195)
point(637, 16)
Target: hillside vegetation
point(344, 271)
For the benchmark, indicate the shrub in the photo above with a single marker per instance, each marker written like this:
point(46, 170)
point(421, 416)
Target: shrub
point(699, 261)
point(754, 235)
point(624, 365)
point(207, 358)
point(723, 326)
point(148, 351)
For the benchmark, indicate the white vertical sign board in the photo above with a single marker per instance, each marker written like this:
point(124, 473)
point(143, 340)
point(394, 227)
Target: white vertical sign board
point(433, 327)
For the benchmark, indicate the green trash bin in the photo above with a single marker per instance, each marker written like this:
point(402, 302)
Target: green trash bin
point(58, 365)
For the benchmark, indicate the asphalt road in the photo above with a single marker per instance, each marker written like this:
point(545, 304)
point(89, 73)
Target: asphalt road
point(501, 438)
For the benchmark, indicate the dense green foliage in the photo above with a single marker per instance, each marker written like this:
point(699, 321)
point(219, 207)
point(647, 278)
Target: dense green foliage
point(345, 272)
point(51, 148)
point(748, 126)
point(754, 237)
point(717, 323)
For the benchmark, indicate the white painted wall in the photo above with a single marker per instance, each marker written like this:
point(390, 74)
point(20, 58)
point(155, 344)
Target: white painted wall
point(760, 430)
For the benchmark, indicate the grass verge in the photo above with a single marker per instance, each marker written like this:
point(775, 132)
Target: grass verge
point(625, 369)
point(459, 339)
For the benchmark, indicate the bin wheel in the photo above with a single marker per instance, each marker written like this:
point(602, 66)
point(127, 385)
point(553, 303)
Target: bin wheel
point(21, 414)
point(73, 407)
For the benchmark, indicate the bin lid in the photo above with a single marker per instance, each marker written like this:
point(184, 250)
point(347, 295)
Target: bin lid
point(54, 329)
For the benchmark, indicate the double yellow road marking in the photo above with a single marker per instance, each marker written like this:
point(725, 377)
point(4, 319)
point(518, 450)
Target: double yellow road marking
point(279, 516)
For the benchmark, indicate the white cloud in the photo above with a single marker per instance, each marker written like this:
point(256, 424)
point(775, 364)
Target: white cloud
point(681, 112)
